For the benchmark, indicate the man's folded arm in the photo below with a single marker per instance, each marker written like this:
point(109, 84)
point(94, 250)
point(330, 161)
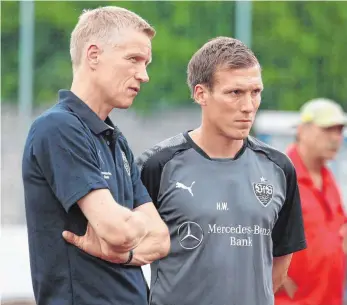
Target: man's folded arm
point(114, 230)
point(156, 244)
point(141, 230)
point(118, 226)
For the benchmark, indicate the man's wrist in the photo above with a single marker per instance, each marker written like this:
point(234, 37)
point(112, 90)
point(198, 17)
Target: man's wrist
point(130, 258)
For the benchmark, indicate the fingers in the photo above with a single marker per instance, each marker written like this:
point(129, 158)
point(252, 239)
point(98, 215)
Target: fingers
point(73, 239)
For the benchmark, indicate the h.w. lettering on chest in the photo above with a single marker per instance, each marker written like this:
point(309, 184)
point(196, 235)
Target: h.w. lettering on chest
point(222, 206)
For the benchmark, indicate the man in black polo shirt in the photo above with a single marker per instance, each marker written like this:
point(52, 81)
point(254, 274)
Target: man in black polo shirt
point(80, 179)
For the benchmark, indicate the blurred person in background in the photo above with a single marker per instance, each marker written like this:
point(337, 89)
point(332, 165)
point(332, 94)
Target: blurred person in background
point(231, 202)
point(316, 275)
point(80, 178)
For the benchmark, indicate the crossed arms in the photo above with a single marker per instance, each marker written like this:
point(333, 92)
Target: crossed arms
point(64, 152)
point(114, 230)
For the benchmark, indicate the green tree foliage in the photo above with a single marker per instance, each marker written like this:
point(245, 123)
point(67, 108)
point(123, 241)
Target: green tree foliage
point(301, 46)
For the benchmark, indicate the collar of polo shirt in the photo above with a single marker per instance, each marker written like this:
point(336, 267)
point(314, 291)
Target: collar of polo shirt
point(88, 116)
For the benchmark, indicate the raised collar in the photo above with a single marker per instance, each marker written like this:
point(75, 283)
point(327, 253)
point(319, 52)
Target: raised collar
point(88, 116)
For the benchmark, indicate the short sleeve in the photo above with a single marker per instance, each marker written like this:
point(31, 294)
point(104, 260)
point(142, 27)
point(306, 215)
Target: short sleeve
point(141, 195)
point(151, 176)
point(66, 157)
point(151, 168)
point(152, 162)
point(288, 233)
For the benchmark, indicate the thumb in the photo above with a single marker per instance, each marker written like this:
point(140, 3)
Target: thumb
point(72, 238)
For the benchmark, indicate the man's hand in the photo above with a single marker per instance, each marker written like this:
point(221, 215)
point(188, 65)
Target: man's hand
point(92, 244)
point(290, 287)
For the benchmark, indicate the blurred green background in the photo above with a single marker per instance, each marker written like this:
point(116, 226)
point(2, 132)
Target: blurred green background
point(301, 47)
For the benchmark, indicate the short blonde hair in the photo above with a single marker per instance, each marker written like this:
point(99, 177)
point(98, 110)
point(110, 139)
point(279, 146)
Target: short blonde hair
point(100, 24)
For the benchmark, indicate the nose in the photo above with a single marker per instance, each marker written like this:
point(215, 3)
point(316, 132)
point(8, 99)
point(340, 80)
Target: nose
point(247, 104)
point(336, 132)
point(142, 76)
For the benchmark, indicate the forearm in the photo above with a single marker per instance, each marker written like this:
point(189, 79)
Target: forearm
point(156, 243)
point(279, 270)
point(114, 230)
point(126, 234)
point(153, 247)
point(135, 229)
point(118, 226)
point(277, 280)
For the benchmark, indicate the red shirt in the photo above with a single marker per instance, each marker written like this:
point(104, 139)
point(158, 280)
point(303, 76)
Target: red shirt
point(319, 270)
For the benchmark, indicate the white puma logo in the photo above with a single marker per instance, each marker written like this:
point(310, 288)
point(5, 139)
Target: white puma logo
point(180, 185)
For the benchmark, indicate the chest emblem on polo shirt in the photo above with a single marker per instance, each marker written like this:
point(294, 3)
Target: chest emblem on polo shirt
point(180, 185)
point(126, 163)
point(263, 191)
point(102, 164)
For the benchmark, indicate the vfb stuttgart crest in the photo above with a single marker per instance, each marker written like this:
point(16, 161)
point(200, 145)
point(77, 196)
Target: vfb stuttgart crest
point(263, 191)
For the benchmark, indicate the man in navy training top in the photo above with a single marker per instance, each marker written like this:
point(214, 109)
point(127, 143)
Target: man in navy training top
point(80, 177)
point(231, 203)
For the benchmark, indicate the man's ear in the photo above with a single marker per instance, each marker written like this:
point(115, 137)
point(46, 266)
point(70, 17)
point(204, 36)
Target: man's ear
point(302, 130)
point(201, 93)
point(93, 56)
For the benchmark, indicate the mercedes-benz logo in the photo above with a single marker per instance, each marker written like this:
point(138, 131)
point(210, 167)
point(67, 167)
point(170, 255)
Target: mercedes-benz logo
point(190, 235)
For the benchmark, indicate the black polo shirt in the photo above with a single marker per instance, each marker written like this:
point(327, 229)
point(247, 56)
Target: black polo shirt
point(69, 152)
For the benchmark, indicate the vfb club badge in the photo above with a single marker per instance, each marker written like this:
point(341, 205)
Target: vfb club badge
point(263, 191)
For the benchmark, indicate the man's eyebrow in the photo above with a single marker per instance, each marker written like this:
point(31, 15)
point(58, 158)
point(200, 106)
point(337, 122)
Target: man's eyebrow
point(140, 54)
point(245, 86)
point(254, 84)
